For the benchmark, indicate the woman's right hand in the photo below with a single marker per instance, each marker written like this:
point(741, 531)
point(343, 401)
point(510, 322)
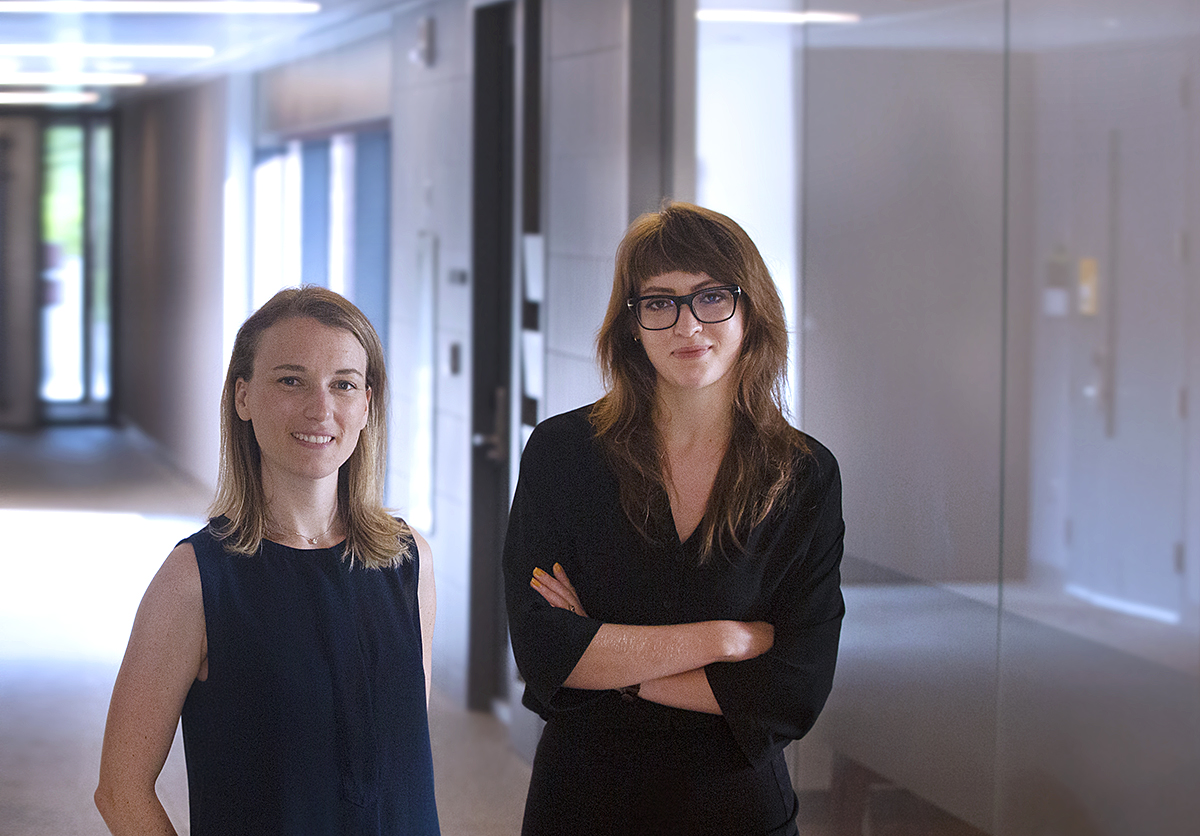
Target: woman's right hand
point(747, 639)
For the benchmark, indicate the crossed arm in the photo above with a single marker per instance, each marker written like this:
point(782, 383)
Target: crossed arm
point(667, 662)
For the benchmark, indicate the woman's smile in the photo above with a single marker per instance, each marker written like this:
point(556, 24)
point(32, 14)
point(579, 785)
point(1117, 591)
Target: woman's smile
point(691, 352)
point(318, 440)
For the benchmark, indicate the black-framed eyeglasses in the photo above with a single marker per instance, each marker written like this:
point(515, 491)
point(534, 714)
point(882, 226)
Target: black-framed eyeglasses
point(709, 305)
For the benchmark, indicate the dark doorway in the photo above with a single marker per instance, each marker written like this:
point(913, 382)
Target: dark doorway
point(493, 234)
point(20, 153)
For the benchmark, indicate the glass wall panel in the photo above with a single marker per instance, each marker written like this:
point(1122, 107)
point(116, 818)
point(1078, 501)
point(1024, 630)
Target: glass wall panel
point(63, 288)
point(315, 220)
point(1100, 664)
point(278, 218)
point(100, 178)
point(1000, 340)
point(903, 298)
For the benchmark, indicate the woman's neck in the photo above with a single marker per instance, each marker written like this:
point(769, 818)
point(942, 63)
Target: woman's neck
point(308, 511)
point(695, 428)
point(686, 419)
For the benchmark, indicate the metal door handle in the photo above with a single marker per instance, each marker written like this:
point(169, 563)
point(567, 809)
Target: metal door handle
point(496, 443)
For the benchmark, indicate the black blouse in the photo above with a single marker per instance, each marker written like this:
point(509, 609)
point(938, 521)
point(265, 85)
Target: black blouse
point(566, 509)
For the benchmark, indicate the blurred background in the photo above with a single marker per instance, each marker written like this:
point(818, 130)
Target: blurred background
point(983, 217)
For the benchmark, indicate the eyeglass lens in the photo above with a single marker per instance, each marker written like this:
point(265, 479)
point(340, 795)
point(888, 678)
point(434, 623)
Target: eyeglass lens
point(714, 304)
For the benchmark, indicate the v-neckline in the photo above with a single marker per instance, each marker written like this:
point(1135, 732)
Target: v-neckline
point(683, 541)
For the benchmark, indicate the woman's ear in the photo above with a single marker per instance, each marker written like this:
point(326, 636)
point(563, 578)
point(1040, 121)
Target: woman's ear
point(239, 399)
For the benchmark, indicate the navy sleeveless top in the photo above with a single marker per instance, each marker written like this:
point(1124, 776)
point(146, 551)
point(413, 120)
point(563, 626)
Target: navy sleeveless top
point(313, 717)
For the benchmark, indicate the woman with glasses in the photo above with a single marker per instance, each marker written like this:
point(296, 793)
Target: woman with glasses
point(293, 633)
point(672, 559)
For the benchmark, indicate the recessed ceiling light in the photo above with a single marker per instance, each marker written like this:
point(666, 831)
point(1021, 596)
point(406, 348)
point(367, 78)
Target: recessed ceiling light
point(77, 50)
point(795, 18)
point(157, 7)
point(66, 79)
point(52, 97)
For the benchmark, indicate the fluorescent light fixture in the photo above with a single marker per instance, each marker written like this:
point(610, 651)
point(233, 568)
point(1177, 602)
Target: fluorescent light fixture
point(795, 18)
point(52, 97)
point(77, 50)
point(66, 79)
point(157, 7)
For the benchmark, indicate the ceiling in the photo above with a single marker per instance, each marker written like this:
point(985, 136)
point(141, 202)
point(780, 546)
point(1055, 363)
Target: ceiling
point(250, 41)
point(987, 25)
point(237, 41)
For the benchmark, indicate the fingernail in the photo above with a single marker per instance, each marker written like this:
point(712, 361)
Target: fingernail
point(558, 567)
point(534, 583)
point(537, 571)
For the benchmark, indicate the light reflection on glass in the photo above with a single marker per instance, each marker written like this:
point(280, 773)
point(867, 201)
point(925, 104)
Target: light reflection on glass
point(1000, 323)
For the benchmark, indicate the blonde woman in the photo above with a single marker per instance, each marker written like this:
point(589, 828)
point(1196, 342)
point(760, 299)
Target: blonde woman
point(293, 633)
point(672, 559)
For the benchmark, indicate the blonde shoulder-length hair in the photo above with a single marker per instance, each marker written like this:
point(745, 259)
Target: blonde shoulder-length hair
point(757, 469)
point(374, 537)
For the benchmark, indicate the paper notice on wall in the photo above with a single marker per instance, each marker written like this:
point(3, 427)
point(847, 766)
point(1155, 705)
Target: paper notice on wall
point(533, 361)
point(1089, 287)
point(534, 258)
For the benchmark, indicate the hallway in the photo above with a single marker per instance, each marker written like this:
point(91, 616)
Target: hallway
point(65, 614)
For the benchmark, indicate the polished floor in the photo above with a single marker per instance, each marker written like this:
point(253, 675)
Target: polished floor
point(86, 516)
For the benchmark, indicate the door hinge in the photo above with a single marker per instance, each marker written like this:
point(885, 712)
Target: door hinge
point(1180, 558)
point(1183, 403)
point(1185, 91)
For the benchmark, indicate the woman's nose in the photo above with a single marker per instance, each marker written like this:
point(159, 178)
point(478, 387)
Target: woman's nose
point(687, 322)
point(318, 405)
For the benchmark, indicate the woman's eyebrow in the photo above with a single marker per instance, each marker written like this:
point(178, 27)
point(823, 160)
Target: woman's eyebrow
point(666, 291)
point(292, 367)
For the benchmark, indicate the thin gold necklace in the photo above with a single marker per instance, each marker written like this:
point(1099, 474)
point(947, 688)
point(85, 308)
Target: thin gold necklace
point(312, 541)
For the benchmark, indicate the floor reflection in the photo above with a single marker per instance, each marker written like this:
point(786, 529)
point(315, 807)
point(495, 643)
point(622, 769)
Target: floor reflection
point(87, 515)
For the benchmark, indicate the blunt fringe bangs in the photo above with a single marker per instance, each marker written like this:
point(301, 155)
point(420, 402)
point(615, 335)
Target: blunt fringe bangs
point(374, 537)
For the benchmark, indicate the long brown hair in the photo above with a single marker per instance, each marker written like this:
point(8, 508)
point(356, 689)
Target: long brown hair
point(373, 536)
point(758, 465)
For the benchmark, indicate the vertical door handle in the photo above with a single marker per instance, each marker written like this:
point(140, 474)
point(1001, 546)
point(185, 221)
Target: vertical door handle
point(495, 444)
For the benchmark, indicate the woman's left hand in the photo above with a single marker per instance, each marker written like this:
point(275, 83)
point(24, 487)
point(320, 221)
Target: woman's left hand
point(557, 589)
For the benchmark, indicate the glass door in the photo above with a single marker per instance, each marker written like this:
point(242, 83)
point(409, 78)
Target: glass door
point(75, 289)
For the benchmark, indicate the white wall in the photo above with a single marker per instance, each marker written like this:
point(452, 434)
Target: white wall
point(586, 190)
point(169, 271)
point(431, 163)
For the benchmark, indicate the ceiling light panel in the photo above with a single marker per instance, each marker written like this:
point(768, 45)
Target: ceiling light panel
point(69, 79)
point(98, 50)
point(195, 7)
point(52, 97)
point(791, 18)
